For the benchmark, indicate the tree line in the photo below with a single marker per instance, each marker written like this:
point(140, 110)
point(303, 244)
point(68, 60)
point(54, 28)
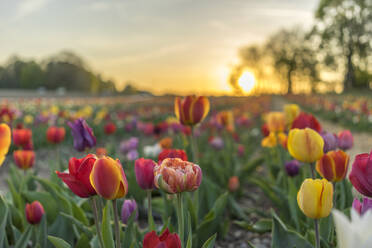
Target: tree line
point(340, 42)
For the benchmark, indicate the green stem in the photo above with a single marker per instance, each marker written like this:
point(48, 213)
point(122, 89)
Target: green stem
point(150, 218)
point(317, 239)
point(181, 224)
point(117, 228)
point(193, 147)
point(96, 220)
point(312, 169)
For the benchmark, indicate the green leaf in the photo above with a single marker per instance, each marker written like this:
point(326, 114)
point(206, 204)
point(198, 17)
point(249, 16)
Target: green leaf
point(83, 242)
point(261, 226)
point(189, 238)
point(58, 243)
point(129, 234)
point(282, 237)
point(25, 237)
point(3, 212)
point(42, 232)
point(107, 237)
point(210, 242)
point(79, 224)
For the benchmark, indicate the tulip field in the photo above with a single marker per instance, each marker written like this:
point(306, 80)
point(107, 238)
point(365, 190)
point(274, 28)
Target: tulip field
point(190, 172)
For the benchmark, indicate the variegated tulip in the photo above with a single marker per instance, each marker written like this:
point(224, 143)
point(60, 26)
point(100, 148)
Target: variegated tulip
point(191, 110)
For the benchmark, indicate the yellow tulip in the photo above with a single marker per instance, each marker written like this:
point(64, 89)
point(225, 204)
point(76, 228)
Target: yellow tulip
point(5, 140)
point(275, 121)
point(305, 145)
point(315, 198)
point(272, 140)
point(291, 111)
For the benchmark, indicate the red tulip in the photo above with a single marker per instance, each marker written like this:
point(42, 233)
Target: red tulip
point(234, 184)
point(360, 175)
point(166, 240)
point(191, 110)
point(34, 212)
point(304, 120)
point(333, 165)
point(172, 153)
point(110, 128)
point(144, 169)
point(23, 138)
point(265, 130)
point(78, 177)
point(55, 135)
point(24, 159)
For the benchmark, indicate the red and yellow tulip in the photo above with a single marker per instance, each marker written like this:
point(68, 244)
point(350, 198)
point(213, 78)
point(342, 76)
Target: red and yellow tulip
point(333, 165)
point(191, 110)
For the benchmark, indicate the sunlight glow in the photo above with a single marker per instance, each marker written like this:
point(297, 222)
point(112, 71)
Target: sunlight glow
point(247, 81)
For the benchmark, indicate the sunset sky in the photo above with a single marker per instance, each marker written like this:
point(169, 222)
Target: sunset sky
point(176, 46)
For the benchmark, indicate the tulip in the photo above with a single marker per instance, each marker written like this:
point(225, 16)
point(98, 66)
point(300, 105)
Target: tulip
point(360, 174)
point(109, 128)
point(129, 206)
point(291, 111)
point(23, 138)
point(330, 141)
point(175, 175)
point(315, 198)
point(152, 151)
point(101, 151)
point(166, 240)
point(273, 139)
point(265, 130)
point(356, 232)
point(233, 184)
point(226, 119)
point(172, 153)
point(5, 140)
point(128, 145)
point(275, 121)
point(83, 135)
point(56, 135)
point(166, 143)
point(78, 177)
point(24, 159)
point(132, 155)
point(216, 142)
point(292, 168)
point(333, 165)
point(191, 110)
point(108, 178)
point(345, 140)
point(34, 212)
point(304, 120)
point(144, 169)
point(305, 145)
point(363, 207)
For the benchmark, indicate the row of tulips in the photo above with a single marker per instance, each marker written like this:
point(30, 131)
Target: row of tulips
point(187, 191)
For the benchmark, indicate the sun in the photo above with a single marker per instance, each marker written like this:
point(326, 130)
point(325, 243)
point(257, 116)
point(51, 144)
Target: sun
point(247, 81)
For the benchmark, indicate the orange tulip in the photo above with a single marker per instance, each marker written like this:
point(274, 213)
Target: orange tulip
point(333, 165)
point(5, 140)
point(108, 178)
point(191, 110)
point(24, 159)
point(226, 119)
point(275, 121)
point(56, 135)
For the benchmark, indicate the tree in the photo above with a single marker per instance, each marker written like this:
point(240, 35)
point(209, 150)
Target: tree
point(31, 76)
point(345, 28)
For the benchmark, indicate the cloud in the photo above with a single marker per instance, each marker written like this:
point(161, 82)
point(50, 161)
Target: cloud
point(28, 7)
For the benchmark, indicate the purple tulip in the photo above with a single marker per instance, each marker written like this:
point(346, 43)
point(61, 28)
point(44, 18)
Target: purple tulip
point(127, 209)
point(330, 141)
point(82, 134)
point(132, 155)
point(127, 145)
point(361, 208)
point(217, 143)
point(292, 167)
point(345, 140)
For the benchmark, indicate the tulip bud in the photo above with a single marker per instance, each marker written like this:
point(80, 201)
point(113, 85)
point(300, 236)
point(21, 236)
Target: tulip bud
point(315, 198)
point(360, 174)
point(304, 120)
point(24, 159)
point(345, 140)
point(78, 177)
point(174, 175)
point(333, 165)
point(109, 128)
point(5, 140)
point(56, 135)
point(361, 208)
point(234, 184)
point(144, 169)
point(292, 168)
point(108, 178)
point(34, 212)
point(172, 153)
point(129, 206)
point(305, 145)
point(275, 121)
point(191, 110)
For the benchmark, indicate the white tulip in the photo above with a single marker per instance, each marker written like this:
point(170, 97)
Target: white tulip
point(354, 233)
